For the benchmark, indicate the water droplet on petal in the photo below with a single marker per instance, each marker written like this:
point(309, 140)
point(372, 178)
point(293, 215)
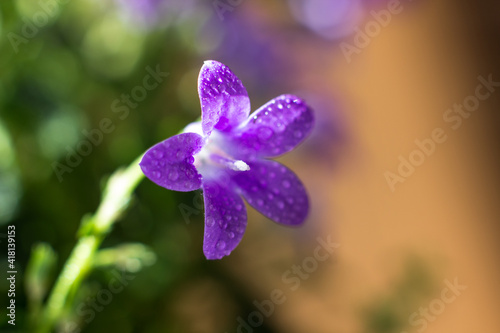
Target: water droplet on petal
point(230, 235)
point(221, 245)
point(156, 174)
point(190, 160)
point(270, 196)
point(286, 184)
point(173, 175)
point(179, 155)
point(297, 134)
point(265, 133)
point(158, 154)
point(223, 224)
point(238, 207)
point(280, 204)
point(210, 222)
point(260, 202)
point(229, 217)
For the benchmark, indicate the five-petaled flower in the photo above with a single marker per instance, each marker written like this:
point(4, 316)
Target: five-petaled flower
point(225, 154)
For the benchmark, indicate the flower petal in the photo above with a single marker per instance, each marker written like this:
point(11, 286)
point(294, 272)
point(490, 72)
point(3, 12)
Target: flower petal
point(224, 99)
point(276, 128)
point(275, 191)
point(170, 162)
point(225, 219)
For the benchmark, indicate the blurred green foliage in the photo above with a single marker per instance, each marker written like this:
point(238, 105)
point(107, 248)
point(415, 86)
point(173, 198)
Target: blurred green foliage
point(59, 79)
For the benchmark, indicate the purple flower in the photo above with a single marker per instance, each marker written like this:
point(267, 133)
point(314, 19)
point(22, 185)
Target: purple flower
point(225, 154)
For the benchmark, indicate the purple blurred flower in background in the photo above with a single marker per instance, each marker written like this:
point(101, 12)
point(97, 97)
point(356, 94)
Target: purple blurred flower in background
point(329, 136)
point(149, 14)
point(225, 154)
point(256, 48)
point(331, 19)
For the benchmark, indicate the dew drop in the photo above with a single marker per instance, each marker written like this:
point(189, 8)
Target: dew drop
point(190, 160)
point(272, 175)
point(158, 154)
point(221, 245)
point(297, 134)
point(210, 222)
point(173, 175)
point(290, 200)
point(229, 218)
point(180, 154)
point(265, 133)
point(260, 202)
point(270, 196)
point(239, 207)
point(280, 106)
point(230, 235)
point(156, 174)
point(280, 204)
point(286, 184)
point(223, 224)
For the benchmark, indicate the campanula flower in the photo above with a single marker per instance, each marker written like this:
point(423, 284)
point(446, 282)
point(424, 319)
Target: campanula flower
point(225, 154)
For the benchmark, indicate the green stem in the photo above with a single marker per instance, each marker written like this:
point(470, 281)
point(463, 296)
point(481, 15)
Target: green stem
point(116, 198)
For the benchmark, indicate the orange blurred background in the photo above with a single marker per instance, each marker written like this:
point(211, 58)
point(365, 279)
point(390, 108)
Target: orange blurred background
point(397, 248)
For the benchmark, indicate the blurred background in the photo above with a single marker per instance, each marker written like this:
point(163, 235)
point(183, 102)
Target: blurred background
point(416, 246)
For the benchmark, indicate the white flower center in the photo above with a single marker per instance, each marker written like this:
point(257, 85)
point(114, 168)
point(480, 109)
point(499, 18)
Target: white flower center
point(212, 154)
